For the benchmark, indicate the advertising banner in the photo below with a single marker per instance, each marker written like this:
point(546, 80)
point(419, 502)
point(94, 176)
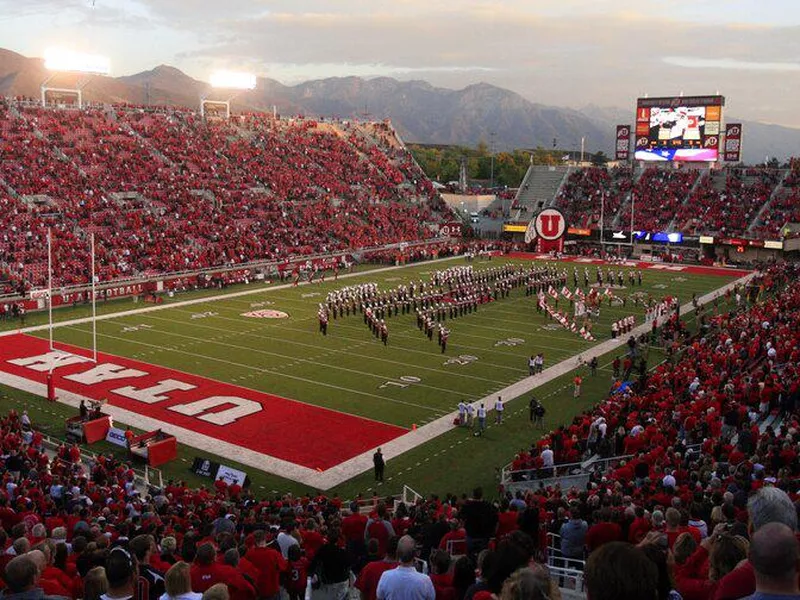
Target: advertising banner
point(733, 142)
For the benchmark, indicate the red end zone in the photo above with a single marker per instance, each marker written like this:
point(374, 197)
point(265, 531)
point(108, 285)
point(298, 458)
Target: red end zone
point(669, 267)
point(299, 433)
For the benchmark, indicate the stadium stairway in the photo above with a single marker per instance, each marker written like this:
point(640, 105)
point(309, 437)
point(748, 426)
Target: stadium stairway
point(686, 200)
point(623, 207)
point(757, 220)
point(540, 186)
point(8, 189)
point(147, 144)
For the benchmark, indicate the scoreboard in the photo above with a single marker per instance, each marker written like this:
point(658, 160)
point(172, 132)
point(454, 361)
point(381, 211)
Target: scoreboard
point(684, 128)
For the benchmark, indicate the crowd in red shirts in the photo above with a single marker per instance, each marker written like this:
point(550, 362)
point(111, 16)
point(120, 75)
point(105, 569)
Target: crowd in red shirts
point(580, 196)
point(708, 430)
point(784, 208)
point(165, 190)
point(726, 202)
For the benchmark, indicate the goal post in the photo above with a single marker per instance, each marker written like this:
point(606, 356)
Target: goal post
point(48, 294)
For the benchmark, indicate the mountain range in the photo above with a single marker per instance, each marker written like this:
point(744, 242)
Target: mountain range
point(419, 111)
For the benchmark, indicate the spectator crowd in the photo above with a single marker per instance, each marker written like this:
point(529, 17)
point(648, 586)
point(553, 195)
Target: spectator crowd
point(166, 191)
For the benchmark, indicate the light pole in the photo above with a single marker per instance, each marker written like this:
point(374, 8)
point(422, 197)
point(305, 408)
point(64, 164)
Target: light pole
point(602, 217)
point(491, 149)
point(633, 205)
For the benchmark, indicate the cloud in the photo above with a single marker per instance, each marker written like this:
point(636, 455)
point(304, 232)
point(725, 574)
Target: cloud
point(565, 52)
point(693, 62)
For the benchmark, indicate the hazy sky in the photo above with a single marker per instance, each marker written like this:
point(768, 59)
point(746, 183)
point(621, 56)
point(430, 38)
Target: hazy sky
point(562, 52)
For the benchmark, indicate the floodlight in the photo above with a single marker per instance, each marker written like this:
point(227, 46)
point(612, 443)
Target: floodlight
point(59, 59)
point(233, 80)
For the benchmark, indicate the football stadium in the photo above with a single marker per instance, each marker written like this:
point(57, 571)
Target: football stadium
point(250, 353)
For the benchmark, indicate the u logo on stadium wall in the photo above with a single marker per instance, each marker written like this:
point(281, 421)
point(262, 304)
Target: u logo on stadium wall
point(550, 224)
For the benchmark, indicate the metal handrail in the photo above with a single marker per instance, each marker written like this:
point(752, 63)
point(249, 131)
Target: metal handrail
point(410, 497)
point(599, 464)
point(143, 477)
point(554, 553)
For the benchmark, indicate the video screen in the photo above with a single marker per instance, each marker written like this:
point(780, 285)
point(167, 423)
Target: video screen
point(678, 129)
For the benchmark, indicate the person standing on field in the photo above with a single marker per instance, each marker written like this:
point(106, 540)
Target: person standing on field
point(378, 462)
point(481, 419)
point(498, 410)
point(577, 381)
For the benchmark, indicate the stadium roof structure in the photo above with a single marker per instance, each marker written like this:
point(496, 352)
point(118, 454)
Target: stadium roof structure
point(82, 66)
point(228, 84)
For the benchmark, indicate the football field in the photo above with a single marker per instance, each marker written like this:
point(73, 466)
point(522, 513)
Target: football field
point(255, 382)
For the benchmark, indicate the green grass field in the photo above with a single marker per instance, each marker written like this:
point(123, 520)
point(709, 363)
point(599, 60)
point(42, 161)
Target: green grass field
point(348, 370)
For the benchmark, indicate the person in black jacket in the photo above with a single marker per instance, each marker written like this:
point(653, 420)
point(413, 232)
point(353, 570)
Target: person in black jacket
point(330, 568)
point(151, 581)
point(378, 462)
point(480, 521)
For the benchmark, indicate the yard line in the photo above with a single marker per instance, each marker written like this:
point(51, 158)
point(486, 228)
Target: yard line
point(404, 348)
point(361, 329)
point(347, 351)
point(414, 334)
point(479, 348)
point(261, 370)
point(297, 359)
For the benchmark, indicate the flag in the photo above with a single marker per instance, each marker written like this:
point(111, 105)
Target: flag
point(566, 293)
point(552, 292)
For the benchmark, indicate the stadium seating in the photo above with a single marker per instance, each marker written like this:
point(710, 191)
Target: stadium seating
point(580, 195)
point(784, 208)
point(182, 193)
point(736, 202)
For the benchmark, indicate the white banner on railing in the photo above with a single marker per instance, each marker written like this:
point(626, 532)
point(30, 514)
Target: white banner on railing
point(117, 436)
point(231, 476)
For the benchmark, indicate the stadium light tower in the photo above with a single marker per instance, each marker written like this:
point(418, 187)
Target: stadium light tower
point(84, 66)
point(230, 84)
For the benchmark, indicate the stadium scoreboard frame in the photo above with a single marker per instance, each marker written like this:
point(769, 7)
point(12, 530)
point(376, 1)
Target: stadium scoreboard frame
point(679, 128)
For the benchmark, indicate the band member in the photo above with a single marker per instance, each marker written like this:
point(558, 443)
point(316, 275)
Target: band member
point(323, 321)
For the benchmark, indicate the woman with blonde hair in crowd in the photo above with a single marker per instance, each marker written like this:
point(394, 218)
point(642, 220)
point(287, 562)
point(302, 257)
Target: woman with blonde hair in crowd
point(178, 583)
point(218, 591)
point(530, 583)
point(717, 516)
point(95, 584)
